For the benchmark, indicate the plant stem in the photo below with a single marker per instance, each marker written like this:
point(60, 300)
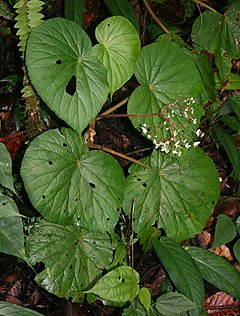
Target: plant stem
point(115, 107)
point(113, 152)
point(205, 5)
point(155, 17)
point(128, 115)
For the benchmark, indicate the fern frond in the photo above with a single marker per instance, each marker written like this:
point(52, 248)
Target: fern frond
point(28, 16)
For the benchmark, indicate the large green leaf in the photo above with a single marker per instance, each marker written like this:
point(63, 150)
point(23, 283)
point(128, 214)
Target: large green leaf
point(216, 270)
point(119, 285)
point(9, 309)
point(172, 303)
point(6, 178)
point(225, 231)
point(68, 184)
point(73, 257)
point(123, 8)
point(170, 88)
point(118, 49)
point(11, 228)
point(182, 270)
point(60, 66)
point(177, 195)
point(219, 34)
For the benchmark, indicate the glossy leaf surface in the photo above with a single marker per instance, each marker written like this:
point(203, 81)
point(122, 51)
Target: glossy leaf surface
point(225, 231)
point(68, 184)
point(118, 49)
point(6, 178)
point(9, 309)
point(182, 270)
point(73, 257)
point(70, 81)
point(118, 285)
point(216, 271)
point(177, 195)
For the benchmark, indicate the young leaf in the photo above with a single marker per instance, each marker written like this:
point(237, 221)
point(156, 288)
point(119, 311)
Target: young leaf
point(170, 87)
point(233, 153)
point(177, 195)
point(123, 8)
point(173, 303)
point(73, 257)
point(11, 228)
point(219, 34)
point(60, 66)
point(7, 309)
point(216, 270)
point(182, 270)
point(118, 49)
point(74, 11)
point(119, 285)
point(68, 184)
point(225, 231)
point(236, 250)
point(145, 297)
point(6, 178)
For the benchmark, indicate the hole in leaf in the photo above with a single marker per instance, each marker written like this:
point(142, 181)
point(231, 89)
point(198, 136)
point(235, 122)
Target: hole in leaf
point(123, 281)
point(58, 62)
point(4, 203)
point(92, 185)
point(64, 145)
point(144, 185)
point(50, 163)
point(108, 24)
point(71, 86)
point(43, 196)
point(225, 54)
point(108, 219)
point(138, 179)
point(76, 199)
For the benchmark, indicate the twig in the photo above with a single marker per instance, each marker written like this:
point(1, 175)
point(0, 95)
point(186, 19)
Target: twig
point(113, 152)
point(203, 4)
point(155, 17)
point(115, 107)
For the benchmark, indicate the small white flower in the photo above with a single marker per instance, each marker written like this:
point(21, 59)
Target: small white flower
point(175, 152)
point(220, 179)
point(187, 145)
point(149, 136)
point(177, 144)
point(196, 144)
point(144, 130)
point(195, 121)
point(179, 153)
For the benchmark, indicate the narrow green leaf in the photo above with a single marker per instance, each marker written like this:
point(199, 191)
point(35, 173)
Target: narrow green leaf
point(183, 271)
point(118, 49)
point(74, 11)
point(6, 178)
point(70, 81)
point(236, 250)
point(233, 153)
point(68, 184)
point(119, 285)
point(11, 229)
point(216, 270)
point(173, 303)
point(225, 231)
point(173, 194)
point(8, 309)
point(145, 298)
point(73, 257)
point(123, 8)
point(232, 122)
point(234, 104)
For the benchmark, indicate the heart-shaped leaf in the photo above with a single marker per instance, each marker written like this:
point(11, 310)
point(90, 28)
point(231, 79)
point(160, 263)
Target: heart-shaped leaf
point(177, 195)
point(11, 228)
point(118, 49)
point(119, 285)
point(167, 98)
point(60, 66)
point(182, 270)
point(219, 34)
point(68, 184)
point(216, 270)
point(6, 178)
point(73, 257)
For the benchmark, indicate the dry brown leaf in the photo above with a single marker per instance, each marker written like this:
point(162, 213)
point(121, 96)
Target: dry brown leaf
point(222, 304)
point(223, 251)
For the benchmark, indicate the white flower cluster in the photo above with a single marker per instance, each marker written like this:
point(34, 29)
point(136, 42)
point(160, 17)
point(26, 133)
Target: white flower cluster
point(174, 144)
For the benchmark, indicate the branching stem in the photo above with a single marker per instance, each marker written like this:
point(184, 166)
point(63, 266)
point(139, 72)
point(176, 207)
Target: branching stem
point(155, 17)
point(114, 108)
point(113, 152)
point(203, 4)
